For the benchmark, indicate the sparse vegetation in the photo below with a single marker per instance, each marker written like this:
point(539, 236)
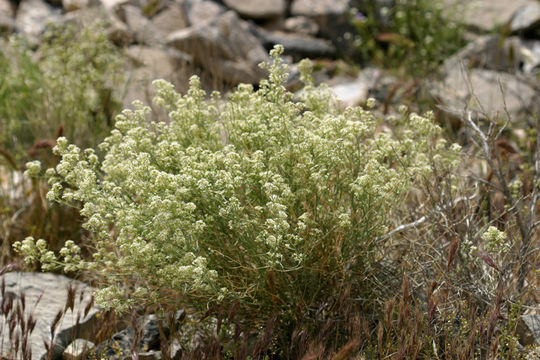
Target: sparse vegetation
point(65, 87)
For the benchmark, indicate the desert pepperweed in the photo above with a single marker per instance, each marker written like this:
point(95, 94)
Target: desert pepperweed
point(268, 201)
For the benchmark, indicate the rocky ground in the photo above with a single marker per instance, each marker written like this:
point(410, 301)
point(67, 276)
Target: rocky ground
point(225, 41)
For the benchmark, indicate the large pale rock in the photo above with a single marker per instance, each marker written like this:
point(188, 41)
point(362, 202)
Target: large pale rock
point(45, 295)
point(171, 19)
point(6, 8)
point(484, 15)
point(484, 93)
point(526, 20)
point(257, 9)
point(200, 12)
point(150, 63)
point(224, 47)
point(142, 28)
point(510, 54)
point(34, 15)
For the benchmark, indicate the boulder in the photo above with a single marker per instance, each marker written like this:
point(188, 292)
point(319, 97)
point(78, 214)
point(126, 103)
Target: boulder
point(526, 20)
point(332, 18)
point(43, 296)
point(485, 93)
point(7, 24)
point(200, 12)
point(149, 341)
point(7, 8)
point(144, 31)
point(257, 9)
point(80, 349)
point(484, 15)
point(34, 15)
point(528, 329)
point(301, 25)
point(296, 45)
point(150, 63)
point(224, 47)
point(510, 54)
point(171, 19)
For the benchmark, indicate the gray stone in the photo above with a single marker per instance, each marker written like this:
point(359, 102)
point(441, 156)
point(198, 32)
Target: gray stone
point(171, 19)
point(7, 24)
point(45, 296)
point(528, 329)
point(34, 15)
point(332, 18)
point(80, 349)
point(485, 93)
point(6, 8)
point(509, 54)
point(526, 20)
point(118, 32)
point(301, 25)
point(144, 31)
point(318, 8)
point(257, 9)
point(484, 15)
point(298, 46)
point(152, 63)
point(224, 47)
point(149, 345)
point(200, 12)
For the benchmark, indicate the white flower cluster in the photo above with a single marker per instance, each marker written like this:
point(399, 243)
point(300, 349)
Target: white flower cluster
point(495, 241)
point(225, 195)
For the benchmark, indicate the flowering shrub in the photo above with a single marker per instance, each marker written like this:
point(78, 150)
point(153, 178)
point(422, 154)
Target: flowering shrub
point(261, 201)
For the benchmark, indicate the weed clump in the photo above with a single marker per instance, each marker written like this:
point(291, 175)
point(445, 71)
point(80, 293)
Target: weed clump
point(260, 203)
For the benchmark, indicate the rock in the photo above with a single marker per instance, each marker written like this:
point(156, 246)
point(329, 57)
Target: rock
point(319, 8)
point(80, 349)
point(113, 4)
point(118, 32)
point(152, 63)
point(144, 31)
point(484, 15)
point(485, 93)
point(45, 295)
point(200, 12)
point(34, 15)
point(297, 46)
point(170, 19)
point(121, 344)
point(332, 18)
point(526, 20)
point(301, 25)
point(72, 5)
point(224, 47)
point(510, 54)
point(528, 329)
point(7, 8)
point(351, 93)
point(257, 9)
point(7, 24)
